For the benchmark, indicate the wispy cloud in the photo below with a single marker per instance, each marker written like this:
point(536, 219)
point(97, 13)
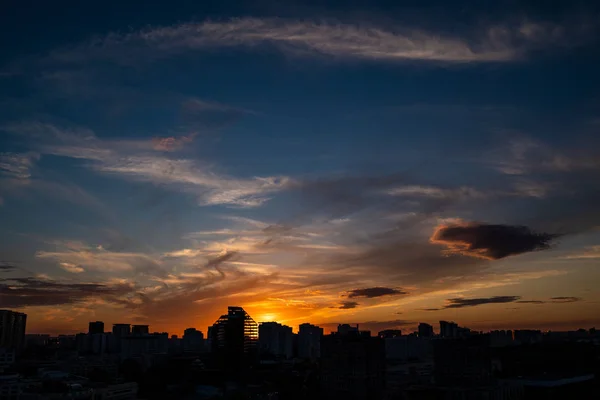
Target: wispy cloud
point(129, 160)
point(462, 302)
point(346, 305)
point(17, 165)
point(591, 252)
point(498, 43)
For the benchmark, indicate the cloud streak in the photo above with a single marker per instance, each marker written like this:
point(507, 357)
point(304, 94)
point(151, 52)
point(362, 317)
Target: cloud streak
point(373, 292)
point(345, 41)
point(460, 302)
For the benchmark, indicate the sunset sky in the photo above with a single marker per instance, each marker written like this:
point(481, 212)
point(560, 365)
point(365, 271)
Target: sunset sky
point(380, 163)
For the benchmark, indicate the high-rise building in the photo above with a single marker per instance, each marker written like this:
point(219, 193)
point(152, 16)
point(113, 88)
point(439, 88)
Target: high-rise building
point(352, 366)
point(463, 362)
point(309, 341)
point(346, 328)
point(234, 338)
point(275, 339)
point(12, 329)
point(140, 330)
point(452, 330)
point(193, 340)
point(96, 327)
point(121, 330)
point(425, 330)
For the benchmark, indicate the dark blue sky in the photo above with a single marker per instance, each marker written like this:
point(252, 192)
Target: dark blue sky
point(186, 153)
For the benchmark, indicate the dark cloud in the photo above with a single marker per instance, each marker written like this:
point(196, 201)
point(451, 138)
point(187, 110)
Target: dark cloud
point(490, 242)
point(7, 267)
point(345, 305)
point(563, 299)
point(25, 292)
point(429, 309)
point(374, 292)
point(460, 302)
point(559, 299)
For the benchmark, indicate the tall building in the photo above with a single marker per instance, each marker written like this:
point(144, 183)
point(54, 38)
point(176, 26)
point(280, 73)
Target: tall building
point(425, 330)
point(275, 339)
point(346, 328)
point(463, 362)
point(352, 366)
point(193, 340)
point(140, 330)
point(121, 330)
point(12, 329)
point(234, 338)
point(452, 330)
point(309, 341)
point(96, 327)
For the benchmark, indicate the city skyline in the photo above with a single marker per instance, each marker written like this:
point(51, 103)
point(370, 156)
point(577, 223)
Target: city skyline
point(365, 163)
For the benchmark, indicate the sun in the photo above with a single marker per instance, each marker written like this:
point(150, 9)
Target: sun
point(267, 317)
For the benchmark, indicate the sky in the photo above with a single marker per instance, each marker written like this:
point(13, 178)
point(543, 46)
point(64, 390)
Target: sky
point(380, 163)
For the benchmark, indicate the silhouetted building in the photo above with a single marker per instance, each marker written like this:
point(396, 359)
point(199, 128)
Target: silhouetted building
point(452, 330)
point(309, 341)
point(389, 333)
point(275, 339)
point(463, 361)
point(12, 329)
point(193, 340)
point(140, 330)
point(501, 338)
point(96, 327)
point(234, 338)
point(121, 330)
point(352, 366)
point(528, 336)
point(408, 348)
point(346, 328)
point(425, 330)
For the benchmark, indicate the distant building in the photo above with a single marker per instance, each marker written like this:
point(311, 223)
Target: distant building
point(234, 338)
point(527, 336)
point(193, 340)
point(275, 339)
point(12, 329)
point(7, 358)
point(352, 366)
point(96, 327)
point(140, 330)
point(309, 341)
point(121, 330)
point(451, 330)
point(344, 329)
point(389, 333)
point(463, 362)
point(408, 348)
point(425, 330)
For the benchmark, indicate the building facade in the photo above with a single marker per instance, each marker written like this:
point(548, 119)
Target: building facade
point(309, 341)
point(12, 329)
point(275, 339)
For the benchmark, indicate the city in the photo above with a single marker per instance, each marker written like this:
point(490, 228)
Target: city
point(240, 359)
point(299, 199)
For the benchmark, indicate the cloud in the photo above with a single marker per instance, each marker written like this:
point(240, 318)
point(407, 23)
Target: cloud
point(17, 165)
point(531, 302)
point(127, 159)
point(343, 41)
point(346, 305)
point(78, 257)
point(30, 292)
point(591, 252)
point(7, 267)
point(559, 299)
point(71, 268)
point(489, 242)
point(374, 292)
point(460, 302)
point(171, 143)
point(565, 299)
